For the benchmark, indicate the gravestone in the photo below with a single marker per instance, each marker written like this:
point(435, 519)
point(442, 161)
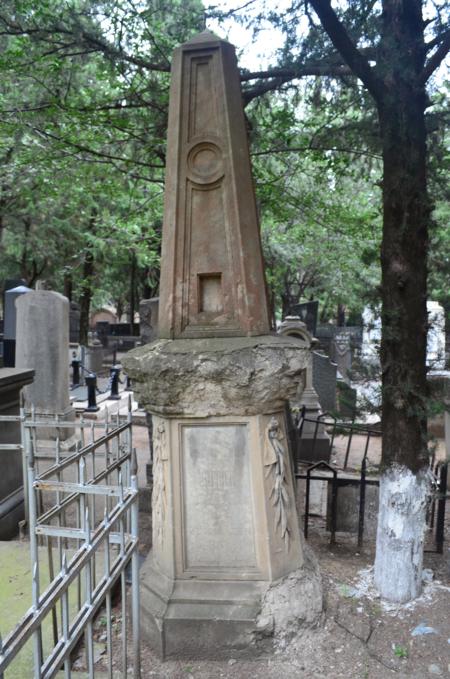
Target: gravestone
point(436, 336)
point(314, 444)
point(308, 313)
point(43, 346)
point(74, 323)
point(348, 502)
point(8, 284)
point(93, 356)
point(148, 319)
point(102, 332)
point(342, 353)
point(225, 573)
point(10, 324)
point(324, 381)
point(12, 510)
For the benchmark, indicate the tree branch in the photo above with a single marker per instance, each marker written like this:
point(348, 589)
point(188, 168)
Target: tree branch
point(281, 76)
point(435, 61)
point(314, 147)
point(345, 46)
point(299, 71)
point(84, 37)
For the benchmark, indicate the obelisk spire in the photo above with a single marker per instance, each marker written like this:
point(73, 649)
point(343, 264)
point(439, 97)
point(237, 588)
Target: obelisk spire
point(212, 274)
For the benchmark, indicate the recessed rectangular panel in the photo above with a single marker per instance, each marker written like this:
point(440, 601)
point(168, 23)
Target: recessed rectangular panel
point(218, 527)
point(210, 297)
point(203, 115)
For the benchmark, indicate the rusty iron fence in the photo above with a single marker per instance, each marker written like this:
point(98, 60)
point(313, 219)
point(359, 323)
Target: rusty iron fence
point(82, 513)
point(360, 475)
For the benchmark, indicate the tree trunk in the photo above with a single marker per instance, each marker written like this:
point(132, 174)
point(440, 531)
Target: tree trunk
point(406, 212)
point(340, 315)
point(86, 296)
point(68, 286)
point(397, 84)
point(132, 291)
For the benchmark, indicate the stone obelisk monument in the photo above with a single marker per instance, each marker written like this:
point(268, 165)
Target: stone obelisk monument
point(225, 533)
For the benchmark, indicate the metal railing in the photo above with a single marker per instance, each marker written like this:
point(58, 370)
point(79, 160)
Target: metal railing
point(83, 530)
point(336, 476)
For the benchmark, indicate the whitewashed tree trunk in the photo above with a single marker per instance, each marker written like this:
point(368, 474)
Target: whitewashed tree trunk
point(400, 534)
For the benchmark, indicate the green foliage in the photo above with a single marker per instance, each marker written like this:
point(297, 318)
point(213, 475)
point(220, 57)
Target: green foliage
point(319, 204)
point(83, 115)
point(400, 651)
point(82, 139)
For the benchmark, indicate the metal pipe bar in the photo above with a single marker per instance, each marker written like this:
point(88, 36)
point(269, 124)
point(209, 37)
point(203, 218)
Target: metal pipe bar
point(55, 660)
point(347, 452)
point(84, 451)
point(59, 425)
point(50, 513)
point(440, 519)
point(374, 482)
point(306, 517)
point(61, 583)
point(25, 439)
point(334, 489)
point(362, 502)
point(37, 633)
point(79, 488)
point(33, 620)
point(73, 533)
point(65, 621)
point(88, 635)
point(81, 424)
point(135, 598)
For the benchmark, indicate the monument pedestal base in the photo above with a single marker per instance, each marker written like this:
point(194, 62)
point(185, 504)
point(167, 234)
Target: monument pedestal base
point(224, 522)
point(201, 619)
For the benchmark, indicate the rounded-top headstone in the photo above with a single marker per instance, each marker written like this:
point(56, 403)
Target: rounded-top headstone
point(9, 331)
point(43, 345)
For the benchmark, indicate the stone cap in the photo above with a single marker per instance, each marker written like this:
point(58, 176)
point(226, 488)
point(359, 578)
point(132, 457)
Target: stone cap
point(15, 377)
point(293, 326)
point(217, 376)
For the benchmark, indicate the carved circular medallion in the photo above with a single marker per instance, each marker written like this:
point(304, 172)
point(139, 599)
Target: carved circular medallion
point(204, 163)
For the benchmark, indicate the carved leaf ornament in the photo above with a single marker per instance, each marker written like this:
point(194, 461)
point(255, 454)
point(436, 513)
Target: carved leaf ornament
point(275, 461)
point(159, 483)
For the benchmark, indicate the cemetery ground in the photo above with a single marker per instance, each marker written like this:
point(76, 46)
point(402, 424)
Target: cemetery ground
point(358, 636)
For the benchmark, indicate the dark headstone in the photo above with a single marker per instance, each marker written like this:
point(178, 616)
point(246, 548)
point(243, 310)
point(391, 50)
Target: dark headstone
point(342, 352)
point(102, 331)
point(324, 381)
point(9, 284)
point(347, 515)
point(9, 331)
point(11, 478)
point(123, 329)
point(308, 312)
point(74, 323)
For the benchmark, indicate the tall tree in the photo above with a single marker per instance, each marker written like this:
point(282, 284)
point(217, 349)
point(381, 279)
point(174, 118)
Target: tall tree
point(388, 52)
point(397, 82)
point(394, 50)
